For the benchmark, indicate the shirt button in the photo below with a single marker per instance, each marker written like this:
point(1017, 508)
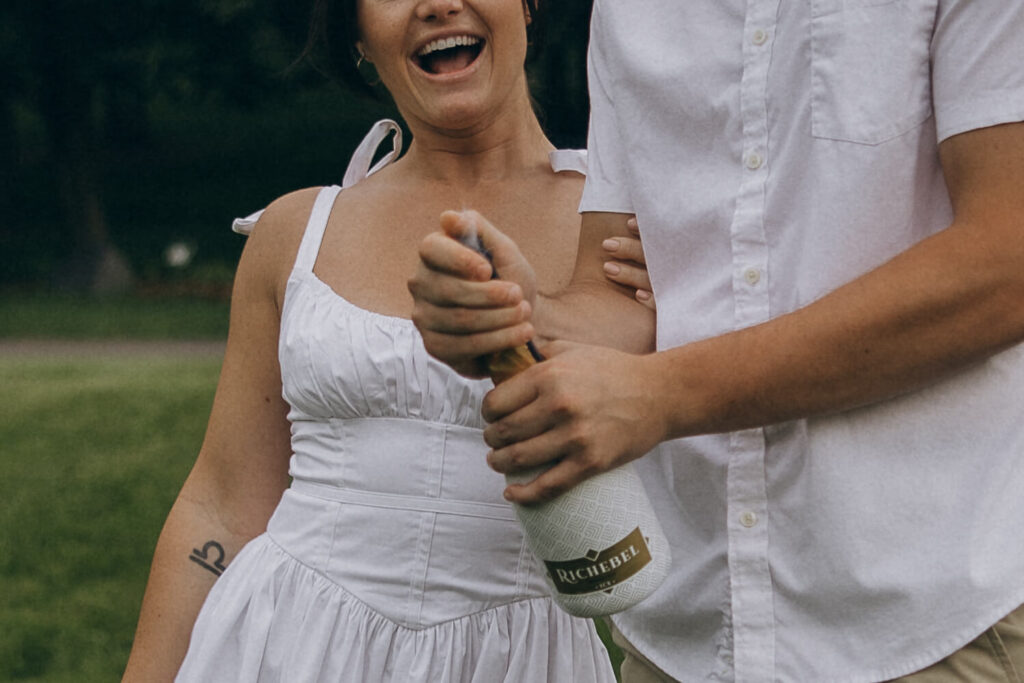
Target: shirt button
point(748, 519)
point(759, 37)
point(754, 161)
point(752, 276)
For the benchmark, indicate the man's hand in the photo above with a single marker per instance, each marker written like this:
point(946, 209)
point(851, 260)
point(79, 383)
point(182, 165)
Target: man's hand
point(587, 409)
point(946, 303)
point(461, 313)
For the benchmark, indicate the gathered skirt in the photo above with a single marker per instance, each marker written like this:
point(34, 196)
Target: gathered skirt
point(272, 618)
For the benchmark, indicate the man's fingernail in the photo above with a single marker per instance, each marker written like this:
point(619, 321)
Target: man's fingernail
point(611, 268)
point(610, 244)
point(643, 294)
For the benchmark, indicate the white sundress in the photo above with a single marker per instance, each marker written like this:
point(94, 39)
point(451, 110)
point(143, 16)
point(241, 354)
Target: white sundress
point(392, 556)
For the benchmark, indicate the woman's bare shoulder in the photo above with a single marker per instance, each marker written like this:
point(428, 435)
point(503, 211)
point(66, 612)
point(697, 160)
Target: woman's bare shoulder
point(272, 245)
point(287, 215)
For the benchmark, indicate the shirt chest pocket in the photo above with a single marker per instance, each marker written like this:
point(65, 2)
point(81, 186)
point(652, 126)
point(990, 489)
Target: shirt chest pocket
point(870, 73)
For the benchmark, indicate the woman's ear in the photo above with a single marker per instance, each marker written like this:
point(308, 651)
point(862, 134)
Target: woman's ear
point(362, 52)
point(526, 13)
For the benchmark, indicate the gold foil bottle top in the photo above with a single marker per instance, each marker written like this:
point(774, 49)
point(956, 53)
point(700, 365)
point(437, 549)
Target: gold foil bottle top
point(504, 364)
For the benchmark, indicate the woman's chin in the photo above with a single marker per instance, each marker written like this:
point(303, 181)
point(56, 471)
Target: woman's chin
point(460, 116)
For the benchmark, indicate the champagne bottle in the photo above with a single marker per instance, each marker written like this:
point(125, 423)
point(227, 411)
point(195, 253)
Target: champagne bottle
point(600, 542)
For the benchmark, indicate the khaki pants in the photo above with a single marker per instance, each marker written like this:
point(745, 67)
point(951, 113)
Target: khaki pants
point(996, 656)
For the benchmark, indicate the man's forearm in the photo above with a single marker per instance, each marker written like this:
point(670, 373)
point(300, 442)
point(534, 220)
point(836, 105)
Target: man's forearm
point(946, 303)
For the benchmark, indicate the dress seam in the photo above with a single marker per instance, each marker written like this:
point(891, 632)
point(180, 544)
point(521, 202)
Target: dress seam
point(334, 539)
point(417, 583)
point(438, 423)
point(369, 608)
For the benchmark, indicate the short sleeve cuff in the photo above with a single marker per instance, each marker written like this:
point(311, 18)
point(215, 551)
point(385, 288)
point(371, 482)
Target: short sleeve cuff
point(992, 109)
point(602, 196)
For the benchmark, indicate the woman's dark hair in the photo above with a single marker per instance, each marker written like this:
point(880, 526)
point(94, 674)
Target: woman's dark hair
point(334, 31)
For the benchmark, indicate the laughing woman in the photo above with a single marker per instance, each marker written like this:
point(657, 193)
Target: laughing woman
point(391, 556)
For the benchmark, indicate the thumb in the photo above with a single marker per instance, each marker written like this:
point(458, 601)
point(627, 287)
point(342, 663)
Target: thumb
point(466, 226)
point(462, 228)
point(506, 258)
point(458, 225)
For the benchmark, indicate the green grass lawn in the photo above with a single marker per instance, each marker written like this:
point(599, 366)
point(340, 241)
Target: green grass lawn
point(92, 451)
point(51, 316)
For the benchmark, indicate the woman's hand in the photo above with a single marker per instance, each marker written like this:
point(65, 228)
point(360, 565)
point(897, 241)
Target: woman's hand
point(459, 310)
point(628, 265)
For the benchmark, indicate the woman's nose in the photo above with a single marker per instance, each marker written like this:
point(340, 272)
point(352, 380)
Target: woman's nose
point(433, 10)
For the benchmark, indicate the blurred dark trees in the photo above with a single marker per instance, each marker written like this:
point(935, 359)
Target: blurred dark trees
point(559, 72)
point(126, 125)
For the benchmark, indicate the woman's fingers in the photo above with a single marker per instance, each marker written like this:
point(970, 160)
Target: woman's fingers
point(445, 290)
point(646, 297)
point(628, 265)
point(624, 249)
point(463, 351)
point(442, 254)
point(627, 274)
point(460, 312)
point(632, 274)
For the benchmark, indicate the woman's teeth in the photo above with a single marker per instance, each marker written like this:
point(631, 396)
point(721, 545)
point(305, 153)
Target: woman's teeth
point(449, 55)
point(447, 44)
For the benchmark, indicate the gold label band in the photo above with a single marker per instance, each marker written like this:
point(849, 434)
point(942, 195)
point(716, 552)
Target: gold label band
point(601, 570)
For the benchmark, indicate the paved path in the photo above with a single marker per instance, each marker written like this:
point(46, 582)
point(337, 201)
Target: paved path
point(109, 347)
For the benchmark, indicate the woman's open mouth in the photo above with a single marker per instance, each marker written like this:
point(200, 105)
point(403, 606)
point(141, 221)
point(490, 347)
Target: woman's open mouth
point(448, 55)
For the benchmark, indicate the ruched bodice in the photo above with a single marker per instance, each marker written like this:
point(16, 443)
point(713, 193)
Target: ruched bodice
point(392, 556)
point(391, 439)
point(388, 441)
point(355, 363)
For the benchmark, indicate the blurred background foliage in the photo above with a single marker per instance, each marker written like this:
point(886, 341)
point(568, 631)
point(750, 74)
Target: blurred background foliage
point(132, 133)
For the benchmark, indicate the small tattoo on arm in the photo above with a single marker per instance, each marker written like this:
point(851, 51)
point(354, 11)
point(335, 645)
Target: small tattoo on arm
point(211, 557)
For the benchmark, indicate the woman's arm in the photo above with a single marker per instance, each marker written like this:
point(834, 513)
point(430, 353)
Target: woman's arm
point(242, 467)
point(462, 314)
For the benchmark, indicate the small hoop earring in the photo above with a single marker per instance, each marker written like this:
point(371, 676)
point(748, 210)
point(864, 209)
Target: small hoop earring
point(359, 63)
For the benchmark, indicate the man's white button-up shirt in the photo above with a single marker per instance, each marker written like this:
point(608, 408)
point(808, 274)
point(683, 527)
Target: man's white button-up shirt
point(772, 151)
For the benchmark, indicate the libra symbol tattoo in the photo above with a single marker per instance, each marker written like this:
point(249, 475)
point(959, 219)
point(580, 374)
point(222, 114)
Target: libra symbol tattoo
point(203, 558)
